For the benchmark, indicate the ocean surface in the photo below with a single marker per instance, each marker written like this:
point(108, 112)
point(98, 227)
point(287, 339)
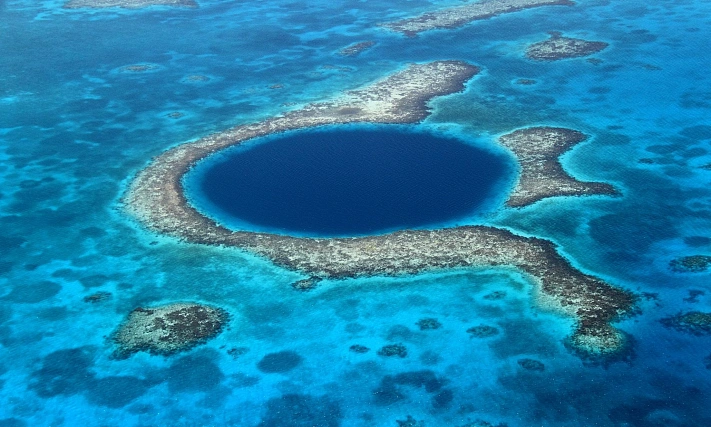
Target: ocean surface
point(76, 125)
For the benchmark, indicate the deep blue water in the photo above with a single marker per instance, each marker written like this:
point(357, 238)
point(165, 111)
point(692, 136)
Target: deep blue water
point(351, 182)
point(74, 129)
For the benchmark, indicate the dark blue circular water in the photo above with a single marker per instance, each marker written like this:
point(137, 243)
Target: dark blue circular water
point(351, 182)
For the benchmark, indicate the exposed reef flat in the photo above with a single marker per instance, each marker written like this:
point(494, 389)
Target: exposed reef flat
point(168, 329)
point(453, 17)
point(156, 198)
point(558, 47)
point(542, 175)
point(356, 48)
point(127, 4)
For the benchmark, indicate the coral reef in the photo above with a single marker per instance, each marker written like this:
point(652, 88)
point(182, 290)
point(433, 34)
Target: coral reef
point(236, 352)
point(453, 17)
point(558, 47)
point(357, 348)
point(391, 350)
point(482, 423)
point(156, 198)
point(305, 285)
point(537, 150)
point(428, 323)
point(282, 361)
point(97, 297)
point(692, 322)
point(694, 295)
point(127, 4)
point(391, 388)
point(168, 329)
point(138, 68)
point(531, 364)
point(496, 295)
point(301, 410)
point(356, 48)
point(482, 331)
point(410, 422)
point(691, 264)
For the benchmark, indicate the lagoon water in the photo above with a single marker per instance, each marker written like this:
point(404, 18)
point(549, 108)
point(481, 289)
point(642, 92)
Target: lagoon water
point(76, 126)
point(350, 182)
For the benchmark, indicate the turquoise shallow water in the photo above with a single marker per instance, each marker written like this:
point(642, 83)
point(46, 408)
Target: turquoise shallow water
point(75, 127)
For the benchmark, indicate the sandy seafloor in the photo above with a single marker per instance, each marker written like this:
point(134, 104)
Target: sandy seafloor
point(74, 130)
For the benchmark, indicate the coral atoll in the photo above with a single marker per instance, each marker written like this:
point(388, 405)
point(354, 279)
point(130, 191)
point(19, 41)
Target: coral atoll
point(156, 198)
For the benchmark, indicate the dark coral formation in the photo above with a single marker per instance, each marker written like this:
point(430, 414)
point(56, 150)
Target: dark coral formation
point(301, 410)
point(558, 47)
point(127, 4)
point(453, 17)
point(691, 264)
point(168, 329)
point(392, 350)
point(692, 322)
point(356, 48)
point(357, 348)
point(138, 68)
point(495, 296)
point(428, 323)
point(694, 295)
point(538, 150)
point(97, 297)
point(70, 372)
point(236, 352)
point(392, 388)
point(531, 364)
point(305, 285)
point(482, 331)
point(197, 78)
point(482, 423)
point(410, 422)
point(156, 198)
point(282, 361)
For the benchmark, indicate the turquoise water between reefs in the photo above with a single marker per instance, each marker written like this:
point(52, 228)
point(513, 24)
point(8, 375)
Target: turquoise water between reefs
point(76, 126)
